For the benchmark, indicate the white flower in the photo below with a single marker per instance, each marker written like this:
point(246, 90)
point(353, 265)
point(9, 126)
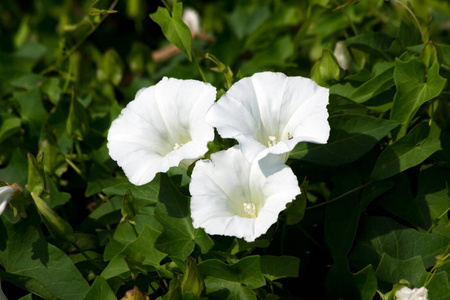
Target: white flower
point(191, 18)
point(230, 196)
point(163, 127)
point(406, 293)
point(6, 193)
point(270, 113)
point(342, 55)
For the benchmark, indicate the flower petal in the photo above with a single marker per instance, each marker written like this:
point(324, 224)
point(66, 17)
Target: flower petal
point(6, 193)
point(233, 197)
point(275, 112)
point(161, 127)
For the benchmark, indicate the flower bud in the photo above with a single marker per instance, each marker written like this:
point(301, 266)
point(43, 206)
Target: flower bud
point(191, 18)
point(135, 294)
point(192, 280)
point(342, 55)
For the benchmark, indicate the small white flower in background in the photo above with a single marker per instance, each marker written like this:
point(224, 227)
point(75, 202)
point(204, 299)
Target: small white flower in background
point(270, 113)
point(342, 55)
point(191, 18)
point(6, 193)
point(406, 293)
point(232, 197)
point(163, 127)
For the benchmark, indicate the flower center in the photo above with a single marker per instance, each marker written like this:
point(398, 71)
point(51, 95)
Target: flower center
point(177, 146)
point(250, 209)
point(272, 141)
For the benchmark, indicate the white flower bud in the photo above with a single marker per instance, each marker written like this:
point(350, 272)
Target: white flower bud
point(191, 18)
point(342, 55)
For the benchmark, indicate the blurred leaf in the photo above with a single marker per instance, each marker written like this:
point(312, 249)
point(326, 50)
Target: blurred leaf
point(31, 109)
point(373, 42)
point(51, 88)
point(243, 21)
point(276, 267)
point(110, 67)
point(351, 137)
point(36, 180)
point(54, 162)
point(326, 70)
point(192, 279)
point(174, 28)
point(415, 86)
point(16, 170)
point(179, 236)
point(77, 122)
point(407, 152)
point(367, 282)
point(9, 126)
point(100, 289)
point(30, 262)
point(392, 270)
point(235, 281)
point(340, 282)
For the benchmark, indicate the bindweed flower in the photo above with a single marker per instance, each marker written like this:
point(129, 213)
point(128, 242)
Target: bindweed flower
point(163, 127)
point(342, 55)
point(406, 293)
point(6, 193)
point(191, 18)
point(230, 196)
point(270, 113)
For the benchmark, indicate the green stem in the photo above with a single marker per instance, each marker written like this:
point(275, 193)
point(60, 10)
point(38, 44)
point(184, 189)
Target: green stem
point(199, 69)
point(74, 167)
point(341, 196)
point(80, 156)
point(436, 221)
point(77, 45)
point(415, 19)
point(167, 6)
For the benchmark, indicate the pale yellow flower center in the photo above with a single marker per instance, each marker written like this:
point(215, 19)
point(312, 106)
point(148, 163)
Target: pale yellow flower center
point(250, 209)
point(177, 146)
point(272, 141)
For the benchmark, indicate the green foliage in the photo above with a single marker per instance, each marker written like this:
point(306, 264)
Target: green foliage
point(373, 212)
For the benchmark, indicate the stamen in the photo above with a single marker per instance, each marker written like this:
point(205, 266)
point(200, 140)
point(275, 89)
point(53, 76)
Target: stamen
point(177, 146)
point(272, 141)
point(250, 209)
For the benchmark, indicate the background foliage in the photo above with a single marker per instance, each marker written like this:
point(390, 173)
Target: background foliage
point(375, 200)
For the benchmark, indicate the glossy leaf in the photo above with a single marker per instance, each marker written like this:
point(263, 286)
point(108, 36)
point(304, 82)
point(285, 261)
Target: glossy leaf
point(174, 28)
point(351, 137)
point(100, 289)
point(407, 152)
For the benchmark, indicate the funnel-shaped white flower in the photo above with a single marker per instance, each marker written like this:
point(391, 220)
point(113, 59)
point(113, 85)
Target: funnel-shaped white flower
point(163, 127)
point(270, 113)
point(233, 197)
point(406, 293)
point(6, 193)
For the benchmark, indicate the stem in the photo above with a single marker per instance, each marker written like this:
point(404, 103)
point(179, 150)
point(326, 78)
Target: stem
point(80, 156)
point(74, 167)
point(199, 69)
point(341, 196)
point(436, 221)
point(167, 6)
point(77, 45)
point(415, 19)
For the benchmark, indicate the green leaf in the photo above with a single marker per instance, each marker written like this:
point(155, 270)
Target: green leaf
point(77, 122)
point(30, 262)
point(384, 235)
point(100, 289)
point(110, 67)
point(377, 84)
point(407, 152)
point(340, 282)
point(243, 22)
point(326, 70)
point(439, 287)
point(341, 217)
point(400, 202)
point(9, 126)
point(236, 280)
point(144, 246)
point(392, 270)
point(367, 283)
point(129, 208)
point(146, 194)
point(31, 109)
point(375, 43)
point(295, 210)
point(54, 161)
point(351, 137)
point(174, 28)
point(179, 236)
point(276, 267)
point(415, 86)
point(36, 180)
